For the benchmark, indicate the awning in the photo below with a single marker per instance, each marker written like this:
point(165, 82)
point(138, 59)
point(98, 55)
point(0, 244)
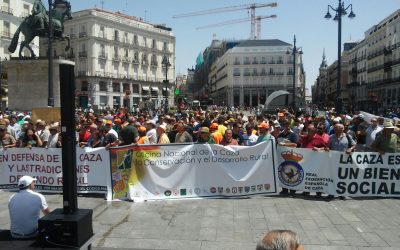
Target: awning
point(145, 88)
point(155, 89)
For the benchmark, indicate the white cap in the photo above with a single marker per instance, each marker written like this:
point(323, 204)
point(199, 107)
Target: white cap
point(25, 181)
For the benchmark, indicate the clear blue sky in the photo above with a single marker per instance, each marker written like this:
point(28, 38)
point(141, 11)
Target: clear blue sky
point(301, 17)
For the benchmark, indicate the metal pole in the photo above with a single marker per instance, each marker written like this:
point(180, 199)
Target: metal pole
point(294, 74)
point(166, 86)
point(50, 55)
point(339, 68)
point(1, 77)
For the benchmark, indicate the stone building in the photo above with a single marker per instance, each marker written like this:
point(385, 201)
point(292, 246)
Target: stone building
point(120, 59)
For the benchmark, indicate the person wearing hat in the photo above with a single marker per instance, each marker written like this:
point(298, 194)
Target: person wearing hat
point(216, 135)
point(109, 126)
point(204, 136)
point(42, 132)
point(386, 141)
point(162, 136)
point(264, 134)
point(54, 138)
point(24, 208)
point(151, 131)
point(143, 139)
point(249, 138)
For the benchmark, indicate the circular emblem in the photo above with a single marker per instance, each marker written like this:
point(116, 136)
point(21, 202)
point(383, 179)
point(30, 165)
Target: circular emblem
point(167, 193)
point(213, 190)
point(290, 173)
point(197, 191)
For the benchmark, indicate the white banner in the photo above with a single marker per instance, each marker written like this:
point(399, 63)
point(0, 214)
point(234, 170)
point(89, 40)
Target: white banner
point(337, 173)
point(93, 169)
point(197, 170)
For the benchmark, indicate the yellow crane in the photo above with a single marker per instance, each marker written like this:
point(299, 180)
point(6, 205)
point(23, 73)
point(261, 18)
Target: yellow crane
point(252, 7)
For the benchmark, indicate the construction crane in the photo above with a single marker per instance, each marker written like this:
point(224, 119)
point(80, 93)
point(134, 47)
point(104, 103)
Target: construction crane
point(252, 36)
point(252, 7)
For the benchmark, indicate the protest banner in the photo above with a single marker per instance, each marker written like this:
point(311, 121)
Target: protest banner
point(197, 170)
point(338, 173)
point(92, 166)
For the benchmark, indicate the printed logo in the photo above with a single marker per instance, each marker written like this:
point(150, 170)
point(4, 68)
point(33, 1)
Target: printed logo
point(197, 191)
point(167, 193)
point(247, 189)
point(190, 191)
point(253, 188)
point(213, 190)
point(175, 192)
point(240, 190)
point(227, 190)
point(183, 191)
point(290, 172)
point(234, 190)
point(267, 186)
point(259, 187)
point(220, 190)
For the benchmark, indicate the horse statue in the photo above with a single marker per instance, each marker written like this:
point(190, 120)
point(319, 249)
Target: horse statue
point(37, 24)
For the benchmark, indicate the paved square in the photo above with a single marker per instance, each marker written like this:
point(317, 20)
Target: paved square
point(233, 223)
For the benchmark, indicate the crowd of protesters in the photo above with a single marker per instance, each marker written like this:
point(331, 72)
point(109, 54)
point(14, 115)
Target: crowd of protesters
point(118, 128)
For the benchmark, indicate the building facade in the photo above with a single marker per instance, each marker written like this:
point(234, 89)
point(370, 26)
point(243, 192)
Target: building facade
point(120, 60)
point(373, 82)
point(249, 72)
point(12, 13)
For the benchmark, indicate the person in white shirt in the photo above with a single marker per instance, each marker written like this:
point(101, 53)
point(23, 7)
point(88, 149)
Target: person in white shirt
point(24, 208)
point(151, 131)
point(370, 133)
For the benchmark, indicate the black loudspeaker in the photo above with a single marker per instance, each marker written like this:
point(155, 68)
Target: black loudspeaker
point(66, 230)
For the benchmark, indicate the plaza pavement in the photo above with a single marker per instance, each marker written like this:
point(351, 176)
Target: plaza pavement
point(233, 223)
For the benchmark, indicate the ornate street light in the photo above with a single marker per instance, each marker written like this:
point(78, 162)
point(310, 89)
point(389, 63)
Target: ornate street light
point(340, 11)
point(166, 64)
point(294, 51)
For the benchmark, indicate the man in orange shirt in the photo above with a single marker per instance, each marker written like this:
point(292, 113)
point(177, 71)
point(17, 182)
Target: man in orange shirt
point(216, 135)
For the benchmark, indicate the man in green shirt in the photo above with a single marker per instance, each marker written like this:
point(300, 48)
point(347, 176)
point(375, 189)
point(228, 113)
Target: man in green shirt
point(386, 141)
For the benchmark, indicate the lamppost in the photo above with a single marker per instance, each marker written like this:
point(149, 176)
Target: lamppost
point(341, 10)
point(294, 51)
point(166, 63)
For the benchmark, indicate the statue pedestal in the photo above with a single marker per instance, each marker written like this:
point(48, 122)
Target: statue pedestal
point(28, 83)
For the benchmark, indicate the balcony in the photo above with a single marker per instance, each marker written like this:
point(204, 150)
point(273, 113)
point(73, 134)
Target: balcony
point(7, 10)
point(115, 38)
point(103, 56)
point(82, 73)
point(83, 54)
point(116, 58)
point(102, 35)
point(271, 62)
point(263, 73)
point(254, 74)
point(236, 74)
point(375, 54)
point(254, 62)
point(246, 74)
point(71, 56)
point(72, 36)
point(263, 62)
point(246, 62)
point(279, 62)
point(154, 64)
point(289, 73)
point(279, 73)
point(135, 61)
point(236, 63)
point(376, 68)
point(361, 70)
point(126, 59)
point(271, 73)
point(82, 34)
point(6, 34)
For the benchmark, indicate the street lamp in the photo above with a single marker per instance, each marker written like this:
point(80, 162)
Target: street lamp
point(340, 11)
point(166, 63)
point(294, 51)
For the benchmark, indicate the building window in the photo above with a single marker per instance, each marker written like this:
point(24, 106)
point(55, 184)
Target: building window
point(236, 72)
point(103, 100)
point(85, 86)
point(165, 46)
point(135, 88)
point(246, 72)
point(6, 30)
point(154, 44)
point(103, 86)
point(135, 39)
point(116, 87)
point(116, 35)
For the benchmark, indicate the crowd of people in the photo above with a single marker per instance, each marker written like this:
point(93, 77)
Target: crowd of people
point(119, 128)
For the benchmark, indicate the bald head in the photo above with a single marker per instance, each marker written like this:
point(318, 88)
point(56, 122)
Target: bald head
point(280, 240)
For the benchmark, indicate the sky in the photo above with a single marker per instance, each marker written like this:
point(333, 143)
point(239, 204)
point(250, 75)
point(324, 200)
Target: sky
point(303, 18)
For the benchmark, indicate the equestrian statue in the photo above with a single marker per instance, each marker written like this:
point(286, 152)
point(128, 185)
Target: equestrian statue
point(37, 24)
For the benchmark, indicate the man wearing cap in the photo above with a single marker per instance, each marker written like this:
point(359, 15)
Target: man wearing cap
point(151, 131)
point(386, 141)
point(204, 136)
point(143, 139)
point(249, 138)
point(215, 134)
point(264, 134)
point(24, 208)
point(109, 126)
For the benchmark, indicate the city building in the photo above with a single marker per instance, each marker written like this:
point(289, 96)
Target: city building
point(373, 81)
point(246, 74)
point(120, 60)
point(12, 13)
point(319, 96)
